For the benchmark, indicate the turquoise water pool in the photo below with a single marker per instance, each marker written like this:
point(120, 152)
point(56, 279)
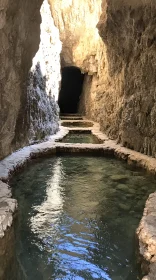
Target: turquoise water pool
point(77, 218)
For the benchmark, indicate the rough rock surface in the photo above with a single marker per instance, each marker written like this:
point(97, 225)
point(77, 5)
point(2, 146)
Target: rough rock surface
point(44, 80)
point(119, 91)
point(19, 37)
point(146, 231)
point(8, 206)
point(8, 262)
point(76, 21)
point(147, 238)
point(27, 113)
point(121, 95)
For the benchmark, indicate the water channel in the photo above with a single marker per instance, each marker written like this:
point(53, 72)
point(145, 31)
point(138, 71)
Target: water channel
point(77, 218)
point(81, 138)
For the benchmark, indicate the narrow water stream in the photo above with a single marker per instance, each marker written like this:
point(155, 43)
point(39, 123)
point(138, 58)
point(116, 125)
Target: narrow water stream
point(88, 138)
point(77, 124)
point(77, 218)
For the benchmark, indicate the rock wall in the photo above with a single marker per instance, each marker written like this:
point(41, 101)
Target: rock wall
point(44, 81)
point(119, 91)
point(76, 21)
point(146, 234)
point(122, 93)
point(28, 108)
point(7, 256)
point(19, 37)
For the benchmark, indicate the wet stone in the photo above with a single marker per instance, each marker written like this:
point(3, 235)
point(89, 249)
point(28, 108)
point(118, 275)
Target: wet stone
point(129, 195)
point(131, 190)
point(132, 212)
point(119, 178)
point(122, 187)
point(124, 207)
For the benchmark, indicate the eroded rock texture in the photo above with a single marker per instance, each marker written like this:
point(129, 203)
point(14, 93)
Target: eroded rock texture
point(119, 88)
point(76, 21)
point(146, 233)
point(128, 31)
point(44, 81)
point(122, 93)
point(8, 264)
point(19, 37)
point(28, 109)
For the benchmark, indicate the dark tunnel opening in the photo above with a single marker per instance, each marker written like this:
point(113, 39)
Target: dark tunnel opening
point(71, 88)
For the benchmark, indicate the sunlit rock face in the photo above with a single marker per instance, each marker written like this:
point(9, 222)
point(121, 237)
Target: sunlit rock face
point(119, 91)
point(19, 37)
point(77, 22)
point(118, 57)
point(146, 233)
point(44, 80)
point(121, 95)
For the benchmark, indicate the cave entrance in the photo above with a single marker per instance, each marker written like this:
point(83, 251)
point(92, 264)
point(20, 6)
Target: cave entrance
point(71, 89)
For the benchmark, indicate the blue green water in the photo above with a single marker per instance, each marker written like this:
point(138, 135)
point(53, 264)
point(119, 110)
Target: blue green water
point(77, 218)
point(77, 124)
point(88, 138)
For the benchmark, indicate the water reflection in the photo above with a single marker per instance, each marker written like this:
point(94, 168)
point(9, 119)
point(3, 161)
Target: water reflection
point(49, 212)
point(78, 217)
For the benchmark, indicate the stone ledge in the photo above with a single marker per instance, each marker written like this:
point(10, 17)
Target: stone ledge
point(146, 231)
point(8, 206)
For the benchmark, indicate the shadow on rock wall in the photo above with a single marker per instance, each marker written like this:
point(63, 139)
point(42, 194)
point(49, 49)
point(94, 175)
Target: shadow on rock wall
point(43, 111)
point(19, 37)
point(39, 112)
point(7, 256)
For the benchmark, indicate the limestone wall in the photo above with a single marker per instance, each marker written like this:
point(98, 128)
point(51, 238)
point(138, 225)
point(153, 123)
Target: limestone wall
point(44, 81)
point(123, 91)
point(8, 264)
point(146, 234)
point(120, 90)
point(28, 108)
point(19, 37)
point(76, 21)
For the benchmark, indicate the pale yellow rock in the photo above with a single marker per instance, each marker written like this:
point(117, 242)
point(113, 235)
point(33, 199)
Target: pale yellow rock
point(119, 90)
point(146, 233)
point(77, 22)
